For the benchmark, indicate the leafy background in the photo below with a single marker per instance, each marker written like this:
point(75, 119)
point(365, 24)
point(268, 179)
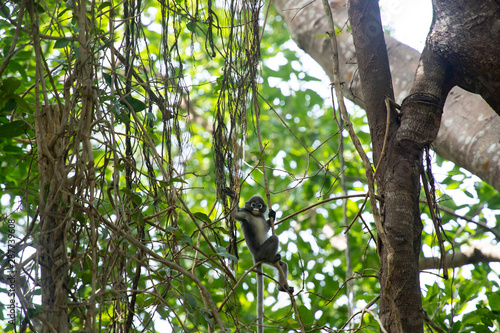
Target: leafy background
point(183, 50)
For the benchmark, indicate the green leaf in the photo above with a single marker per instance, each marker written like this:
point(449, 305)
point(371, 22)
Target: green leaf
point(190, 300)
point(121, 116)
point(222, 231)
point(86, 277)
point(172, 181)
point(468, 291)
point(218, 84)
point(207, 316)
point(9, 85)
point(136, 199)
point(482, 328)
point(494, 301)
point(126, 190)
point(202, 217)
point(77, 54)
point(10, 105)
point(306, 315)
point(228, 255)
point(40, 9)
point(104, 5)
point(107, 78)
point(191, 26)
point(69, 4)
point(178, 180)
point(22, 105)
point(61, 43)
point(136, 104)
point(467, 193)
point(154, 137)
point(148, 300)
point(187, 240)
point(62, 13)
point(162, 312)
point(10, 130)
point(33, 313)
point(150, 116)
point(5, 12)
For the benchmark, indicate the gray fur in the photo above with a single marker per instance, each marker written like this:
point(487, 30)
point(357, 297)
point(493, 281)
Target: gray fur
point(255, 229)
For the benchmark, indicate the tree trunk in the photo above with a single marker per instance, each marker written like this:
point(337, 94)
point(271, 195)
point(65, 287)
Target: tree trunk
point(400, 303)
point(54, 222)
point(53, 206)
point(439, 69)
point(398, 174)
point(58, 193)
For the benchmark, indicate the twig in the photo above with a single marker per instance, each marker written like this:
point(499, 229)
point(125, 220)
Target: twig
point(436, 226)
point(13, 50)
point(173, 265)
point(432, 324)
point(320, 203)
point(388, 103)
point(309, 153)
point(292, 298)
point(266, 184)
point(469, 219)
point(362, 312)
point(238, 283)
point(350, 129)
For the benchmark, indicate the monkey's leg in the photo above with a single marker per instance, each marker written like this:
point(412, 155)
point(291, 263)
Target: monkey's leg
point(283, 277)
point(268, 250)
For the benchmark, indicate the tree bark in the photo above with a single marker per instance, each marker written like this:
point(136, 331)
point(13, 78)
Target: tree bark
point(53, 203)
point(466, 33)
point(401, 307)
point(475, 147)
point(54, 222)
point(398, 174)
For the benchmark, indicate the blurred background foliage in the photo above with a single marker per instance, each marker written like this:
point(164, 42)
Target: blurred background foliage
point(182, 49)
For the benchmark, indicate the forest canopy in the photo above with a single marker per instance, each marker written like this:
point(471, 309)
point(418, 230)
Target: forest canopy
point(130, 130)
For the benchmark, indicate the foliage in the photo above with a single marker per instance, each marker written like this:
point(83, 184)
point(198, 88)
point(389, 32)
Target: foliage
point(147, 200)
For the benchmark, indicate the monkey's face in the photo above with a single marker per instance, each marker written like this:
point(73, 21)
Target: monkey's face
point(256, 205)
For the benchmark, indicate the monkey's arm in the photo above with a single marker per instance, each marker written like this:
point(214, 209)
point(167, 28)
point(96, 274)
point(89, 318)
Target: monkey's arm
point(240, 214)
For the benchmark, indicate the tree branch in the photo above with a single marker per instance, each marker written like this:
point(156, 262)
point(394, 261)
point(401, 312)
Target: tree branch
point(463, 110)
point(474, 254)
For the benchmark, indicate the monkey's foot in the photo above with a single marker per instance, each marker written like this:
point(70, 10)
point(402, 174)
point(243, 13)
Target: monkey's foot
point(290, 289)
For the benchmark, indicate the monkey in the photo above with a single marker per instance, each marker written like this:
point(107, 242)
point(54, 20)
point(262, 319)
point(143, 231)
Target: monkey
point(255, 228)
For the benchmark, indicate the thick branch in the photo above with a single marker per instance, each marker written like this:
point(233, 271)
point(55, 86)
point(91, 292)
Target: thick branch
point(475, 147)
point(466, 33)
point(484, 253)
point(374, 71)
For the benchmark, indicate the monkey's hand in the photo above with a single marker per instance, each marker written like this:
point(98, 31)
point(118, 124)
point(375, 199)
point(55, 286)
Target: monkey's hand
point(272, 215)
